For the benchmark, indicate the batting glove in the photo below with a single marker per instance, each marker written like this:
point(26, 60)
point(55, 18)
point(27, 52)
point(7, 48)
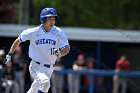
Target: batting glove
point(7, 60)
point(57, 53)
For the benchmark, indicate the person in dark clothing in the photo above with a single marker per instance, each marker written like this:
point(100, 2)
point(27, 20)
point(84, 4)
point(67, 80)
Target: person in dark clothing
point(74, 79)
point(9, 79)
point(19, 64)
point(58, 79)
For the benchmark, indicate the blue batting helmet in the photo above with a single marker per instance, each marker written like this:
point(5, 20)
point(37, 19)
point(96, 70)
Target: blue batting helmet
point(47, 12)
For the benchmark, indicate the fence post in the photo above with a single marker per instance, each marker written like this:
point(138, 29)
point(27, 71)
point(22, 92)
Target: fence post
point(91, 83)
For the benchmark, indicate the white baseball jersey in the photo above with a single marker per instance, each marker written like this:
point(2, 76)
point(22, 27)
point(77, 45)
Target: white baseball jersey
point(42, 43)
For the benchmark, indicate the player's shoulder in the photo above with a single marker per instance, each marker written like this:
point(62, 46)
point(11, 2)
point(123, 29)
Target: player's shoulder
point(58, 29)
point(32, 29)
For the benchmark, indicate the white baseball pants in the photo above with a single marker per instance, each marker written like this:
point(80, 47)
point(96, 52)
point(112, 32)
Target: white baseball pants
point(41, 77)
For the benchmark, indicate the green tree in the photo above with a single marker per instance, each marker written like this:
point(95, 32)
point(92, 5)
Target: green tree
point(93, 13)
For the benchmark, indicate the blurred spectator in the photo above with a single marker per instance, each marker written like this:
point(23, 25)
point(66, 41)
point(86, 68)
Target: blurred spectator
point(9, 80)
point(121, 65)
point(2, 54)
point(2, 65)
point(19, 67)
point(98, 80)
point(74, 79)
point(58, 79)
point(90, 65)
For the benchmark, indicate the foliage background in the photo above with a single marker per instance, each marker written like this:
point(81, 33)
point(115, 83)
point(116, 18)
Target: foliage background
point(120, 14)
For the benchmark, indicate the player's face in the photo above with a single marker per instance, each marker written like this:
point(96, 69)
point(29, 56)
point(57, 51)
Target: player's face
point(50, 21)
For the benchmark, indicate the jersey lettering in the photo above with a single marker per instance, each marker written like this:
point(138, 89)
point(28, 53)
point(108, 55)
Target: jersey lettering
point(45, 41)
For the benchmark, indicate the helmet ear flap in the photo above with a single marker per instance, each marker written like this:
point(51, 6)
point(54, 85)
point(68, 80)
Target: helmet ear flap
point(43, 20)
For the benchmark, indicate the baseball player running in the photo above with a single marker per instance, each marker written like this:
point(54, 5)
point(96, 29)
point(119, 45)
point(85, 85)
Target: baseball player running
point(47, 43)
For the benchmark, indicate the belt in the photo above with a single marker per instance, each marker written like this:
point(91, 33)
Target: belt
point(45, 65)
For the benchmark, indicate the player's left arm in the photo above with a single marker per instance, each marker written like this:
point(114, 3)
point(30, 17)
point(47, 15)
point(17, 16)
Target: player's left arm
point(65, 51)
point(64, 46)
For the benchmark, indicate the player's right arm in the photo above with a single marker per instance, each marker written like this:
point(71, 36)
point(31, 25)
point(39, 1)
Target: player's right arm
point(15, 44)
point(25, 35)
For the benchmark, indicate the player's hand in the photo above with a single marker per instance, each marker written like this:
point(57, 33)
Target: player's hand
point(57, 52)
point(7, 60)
